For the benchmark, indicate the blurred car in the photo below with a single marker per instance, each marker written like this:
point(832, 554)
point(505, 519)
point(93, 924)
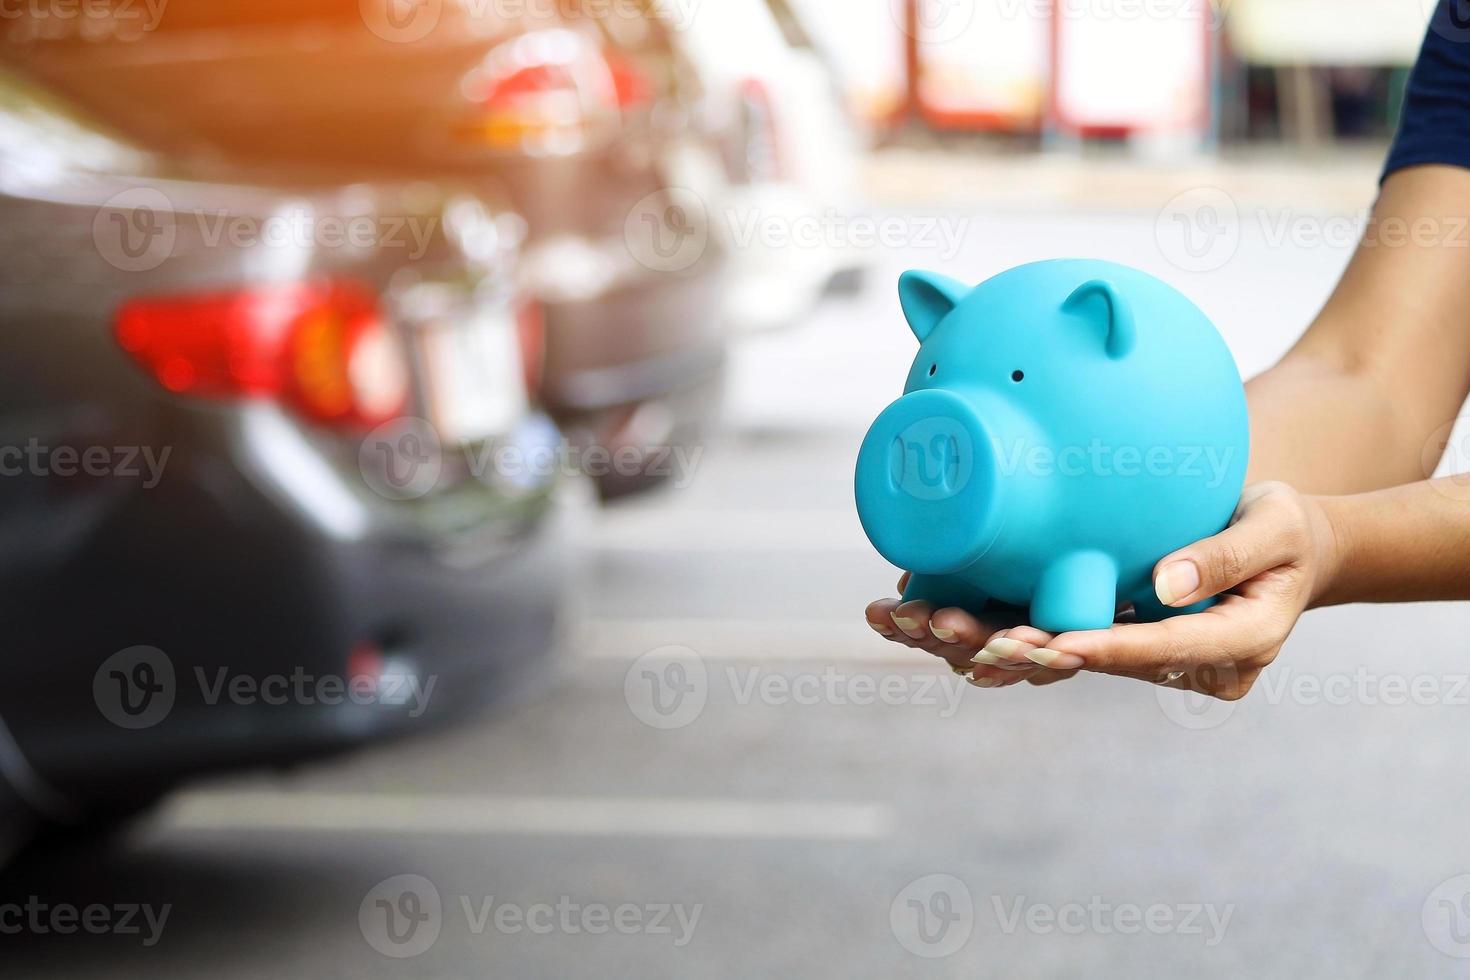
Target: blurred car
point(247, 513)
point(792, 158)
point(586, 119)
point(598, 128)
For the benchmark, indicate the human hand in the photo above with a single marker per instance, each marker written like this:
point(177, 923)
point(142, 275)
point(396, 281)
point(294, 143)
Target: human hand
point(957, 637)
point(1279, 554)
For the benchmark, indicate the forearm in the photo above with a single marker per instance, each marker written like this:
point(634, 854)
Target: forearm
point(1405, 544)
point(1325, 431)
point(1387, 362)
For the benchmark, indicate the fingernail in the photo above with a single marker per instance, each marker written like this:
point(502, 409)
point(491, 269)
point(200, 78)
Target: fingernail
point(984, 682)
point(909, 626)
point(946, 635)
point(1176, 581)
point(881, 629)
point(1001, 650)
point(1055, 659)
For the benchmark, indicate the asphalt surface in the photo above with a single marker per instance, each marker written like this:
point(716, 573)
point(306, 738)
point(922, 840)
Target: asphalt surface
point(739, 780)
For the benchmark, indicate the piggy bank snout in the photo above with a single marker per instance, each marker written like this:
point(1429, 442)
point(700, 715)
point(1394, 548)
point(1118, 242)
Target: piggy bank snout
point(926, 483)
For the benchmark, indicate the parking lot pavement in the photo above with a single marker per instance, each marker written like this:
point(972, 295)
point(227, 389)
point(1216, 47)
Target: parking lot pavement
point(797, 808)
point(738, 779)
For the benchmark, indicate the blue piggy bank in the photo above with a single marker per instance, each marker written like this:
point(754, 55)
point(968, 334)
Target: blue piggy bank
point(1065, 425)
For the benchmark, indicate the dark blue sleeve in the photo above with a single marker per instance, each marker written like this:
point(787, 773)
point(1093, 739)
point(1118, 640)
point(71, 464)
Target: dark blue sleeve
point(1435, 125)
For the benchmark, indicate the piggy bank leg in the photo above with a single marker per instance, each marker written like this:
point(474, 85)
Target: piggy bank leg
point(1076, 592)
point(943, 592)
point(1148, 609)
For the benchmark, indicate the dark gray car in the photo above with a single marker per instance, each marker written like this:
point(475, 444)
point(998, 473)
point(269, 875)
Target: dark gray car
point(264, 478)
point(584, 113)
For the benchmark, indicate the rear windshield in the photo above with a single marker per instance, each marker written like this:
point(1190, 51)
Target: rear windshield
point(350, 86)
point(323, 81)
point(93, 20)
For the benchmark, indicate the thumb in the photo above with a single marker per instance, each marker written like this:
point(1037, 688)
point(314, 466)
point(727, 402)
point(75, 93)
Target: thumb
point(1259, 541)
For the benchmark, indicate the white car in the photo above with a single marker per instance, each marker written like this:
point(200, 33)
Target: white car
point(793, 168)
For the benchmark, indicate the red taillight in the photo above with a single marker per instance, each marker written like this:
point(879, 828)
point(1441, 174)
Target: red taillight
point(365, 665)
point(526, 84)
point(631, 86)
point(600, 79)
point(321, 349)
point(546, 91)
point(531, 333)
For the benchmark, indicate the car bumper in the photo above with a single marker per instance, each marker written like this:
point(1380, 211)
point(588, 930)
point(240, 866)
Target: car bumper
point(283, 636)
point(636, 376)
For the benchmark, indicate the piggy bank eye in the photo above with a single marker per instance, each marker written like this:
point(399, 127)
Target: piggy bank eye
point(933, 368)
point(1018, 376)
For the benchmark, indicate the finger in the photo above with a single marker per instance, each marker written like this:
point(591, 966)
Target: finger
point(1042, 677)
point(1152, 649)
point(959, 634)
point(903, 582)
point(1267, 534)
point(966, 630)
point(911, 624)
point(997, 677)
point(1013, 647)
point(913, 619)
point(880, 617)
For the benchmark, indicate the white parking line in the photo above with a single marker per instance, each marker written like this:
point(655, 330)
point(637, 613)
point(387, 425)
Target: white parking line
point(573, 816)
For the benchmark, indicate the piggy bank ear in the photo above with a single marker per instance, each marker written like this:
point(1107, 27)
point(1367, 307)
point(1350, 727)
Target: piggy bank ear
point(1101, 304)
point(927, 298)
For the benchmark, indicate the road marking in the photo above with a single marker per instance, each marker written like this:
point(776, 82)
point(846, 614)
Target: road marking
point(556, 816)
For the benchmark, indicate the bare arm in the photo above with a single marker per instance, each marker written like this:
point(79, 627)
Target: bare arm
point(1348, 412)
point(1387, 361)
point(1405, 544)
